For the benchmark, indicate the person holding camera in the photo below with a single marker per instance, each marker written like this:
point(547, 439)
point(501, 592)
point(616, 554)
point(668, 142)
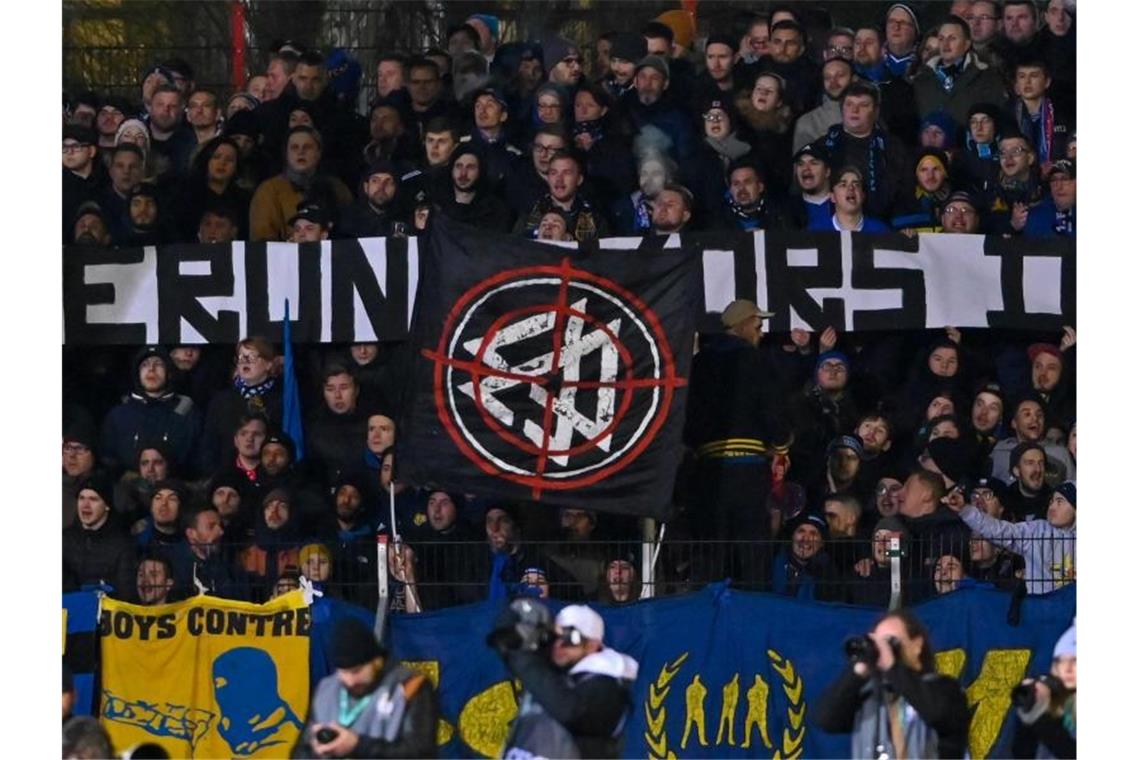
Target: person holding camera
point(891, 699)
point(576, 696)
point(1047, 706)
point(371, 707)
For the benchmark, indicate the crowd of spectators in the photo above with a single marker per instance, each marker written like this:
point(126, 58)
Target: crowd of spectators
point(177, 474)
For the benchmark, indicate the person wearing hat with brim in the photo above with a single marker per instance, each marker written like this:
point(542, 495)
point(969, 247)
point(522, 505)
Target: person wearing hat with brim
point(380, 210)
point(1049, 546)
point(372, 706)
point(735, 426)
point(1056, 215)
point(491, 129)
point(802, 568)
point(650, 103)
point(576, 690)
point(310, 224)
point(810, 203)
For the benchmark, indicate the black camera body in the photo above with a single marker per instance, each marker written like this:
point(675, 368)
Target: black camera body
point(1024, 695)
point(326, 735)
point(864, 649)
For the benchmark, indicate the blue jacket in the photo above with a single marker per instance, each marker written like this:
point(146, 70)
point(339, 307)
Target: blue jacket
point(667, 117)
point(1043, 221)
point(171, 419)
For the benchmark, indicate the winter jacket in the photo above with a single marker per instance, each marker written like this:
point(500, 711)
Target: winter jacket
point(1046, 221)
point(1059, 465)
point(334, 440)
point(276, 200)
point(226, 409)
point(815, 123)
point(664, 115)
point(104, 555)
point(215, 574)
point(975, 83)
point(816, 579)
point(171, 419)
point(937, 723)
point(1050, 553)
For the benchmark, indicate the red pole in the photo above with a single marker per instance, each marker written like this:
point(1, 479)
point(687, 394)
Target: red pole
point(237, 44)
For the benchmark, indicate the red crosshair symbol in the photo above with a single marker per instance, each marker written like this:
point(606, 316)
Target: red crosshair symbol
point(626, 385)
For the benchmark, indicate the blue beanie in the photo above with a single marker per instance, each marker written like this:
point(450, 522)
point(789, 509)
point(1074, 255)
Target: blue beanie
point(1068, 489)
point(832, 355)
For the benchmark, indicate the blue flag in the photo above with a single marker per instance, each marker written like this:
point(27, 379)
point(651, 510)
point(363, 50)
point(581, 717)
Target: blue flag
point(291, 417)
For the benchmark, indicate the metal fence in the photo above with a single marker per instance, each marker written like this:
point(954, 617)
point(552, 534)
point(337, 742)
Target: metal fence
point(427, 574)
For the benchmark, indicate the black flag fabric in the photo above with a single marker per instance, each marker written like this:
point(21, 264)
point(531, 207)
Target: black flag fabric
point(550, 373)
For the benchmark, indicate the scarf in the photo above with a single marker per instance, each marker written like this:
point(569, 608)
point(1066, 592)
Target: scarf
point(642, 214)
point(1039, 129)
point(1065, 222)
point(301, 180)
point(876, 147)
point(253, 391)
point(876, 73)
point(592, 128)
point(728, 148)
point(496, 588)
point(898, 65)
point(749, 218)
point(947, 73)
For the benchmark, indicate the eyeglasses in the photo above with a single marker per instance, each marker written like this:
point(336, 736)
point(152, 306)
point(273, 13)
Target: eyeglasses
point(980, 494)
point(1012, 152)
point(891, 489)
point(959, 211)
point(841, 49)
point(248, 358)
point(545, 149)
point(713, 117)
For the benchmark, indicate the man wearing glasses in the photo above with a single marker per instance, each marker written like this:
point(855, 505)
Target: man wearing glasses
point(1018, 188)
point(983, 18)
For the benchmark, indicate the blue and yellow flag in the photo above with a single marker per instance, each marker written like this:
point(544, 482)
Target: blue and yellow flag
point(206, 677)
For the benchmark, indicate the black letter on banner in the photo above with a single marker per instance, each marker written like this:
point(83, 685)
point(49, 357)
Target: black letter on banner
point(178, 294)
point(788, 285)
point(78, 295)
point(305, 313)
point(1013, 254)
point(352, 272)
point(864, 276)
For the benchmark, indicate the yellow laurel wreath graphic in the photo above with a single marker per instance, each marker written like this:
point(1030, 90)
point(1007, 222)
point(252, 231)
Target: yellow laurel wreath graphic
point(793, 744)
point(655, 735)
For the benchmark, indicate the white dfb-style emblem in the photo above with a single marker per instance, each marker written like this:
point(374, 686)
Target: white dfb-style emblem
point(552, 377)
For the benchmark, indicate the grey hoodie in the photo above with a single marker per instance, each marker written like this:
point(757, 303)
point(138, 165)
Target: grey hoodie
point(1050, 553)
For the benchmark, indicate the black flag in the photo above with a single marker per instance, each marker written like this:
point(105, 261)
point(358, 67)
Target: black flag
point(551, 374)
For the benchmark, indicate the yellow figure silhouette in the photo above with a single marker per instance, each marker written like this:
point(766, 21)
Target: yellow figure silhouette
point(757, 713)
point(730, 695)
point(695, 694)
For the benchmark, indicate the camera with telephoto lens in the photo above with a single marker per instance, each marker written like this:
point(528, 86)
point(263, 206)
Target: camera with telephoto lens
point(864, 649)
point(1024, 695)
point(526, 625)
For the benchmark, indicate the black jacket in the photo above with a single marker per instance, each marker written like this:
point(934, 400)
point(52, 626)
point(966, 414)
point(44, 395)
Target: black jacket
point(103, 555)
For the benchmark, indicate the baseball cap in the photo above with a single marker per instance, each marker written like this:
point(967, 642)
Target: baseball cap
point(740, 310)
point(583, 619)
point(313, 212)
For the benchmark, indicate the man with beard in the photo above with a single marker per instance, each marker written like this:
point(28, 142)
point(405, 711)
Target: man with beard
point(145, 225)
point(154, 581)
point(465, 195)
point(276, 199)
point(150, 413)
point(564, 179)
point(746, 204)
point(1050, 369)
point(171, 141)
point(812, 204)
point(340, 723)
point(649, 105)
point(378, 212)
point(277, 470)
point(1027, 497)
point(527, 180)
point(1028, 426)
point(90, 227)
point(716, 80)
point(672, 209)
point(837, 75)
point(135, 488)
point(626, 49)
point(352, 536)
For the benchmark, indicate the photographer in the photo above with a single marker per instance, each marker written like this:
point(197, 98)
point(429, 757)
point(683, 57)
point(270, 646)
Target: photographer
point(891, 699)
point(1047, 706)
point(576, 691)
point(371, 706)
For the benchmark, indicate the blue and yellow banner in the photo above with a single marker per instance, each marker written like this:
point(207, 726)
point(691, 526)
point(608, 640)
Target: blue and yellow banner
point(206, 677)
point(736, 674)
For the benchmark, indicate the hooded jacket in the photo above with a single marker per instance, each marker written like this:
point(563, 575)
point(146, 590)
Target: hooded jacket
point(1050, 553)
point(170, 418)
point(104, 555)
point(486, 211)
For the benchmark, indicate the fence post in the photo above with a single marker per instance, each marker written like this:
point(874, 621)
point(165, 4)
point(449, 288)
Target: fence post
point(894, 551)
point(237, 44)
point(648, 543)
point(382, 580)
